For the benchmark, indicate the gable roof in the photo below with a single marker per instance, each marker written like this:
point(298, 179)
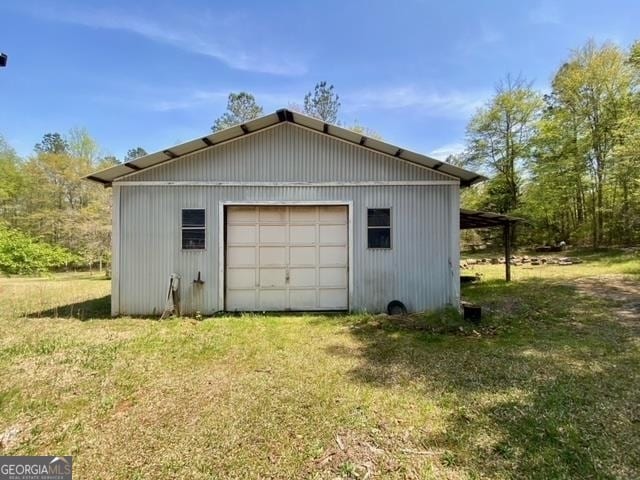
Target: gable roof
point(108, 175)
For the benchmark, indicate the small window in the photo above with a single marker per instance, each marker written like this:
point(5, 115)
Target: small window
point(379, 228)
point(193, 228)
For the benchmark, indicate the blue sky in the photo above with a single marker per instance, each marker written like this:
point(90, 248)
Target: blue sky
point(154, 73)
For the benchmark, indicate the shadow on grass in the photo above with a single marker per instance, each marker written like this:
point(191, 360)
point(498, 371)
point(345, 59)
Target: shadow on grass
point(94, 308)
point(543, 389)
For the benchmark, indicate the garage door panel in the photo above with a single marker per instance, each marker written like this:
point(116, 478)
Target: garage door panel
point(242, 215)
point(303, 215)
point(273, 215)
point(273, 277)
point(333, 214)
point(273, 234)
point(333, 256)
point(302, 299)
point(302, 234)
point(302, 256)
point(333, 277)
point(241, 278)
point(273, 256)
point(333, 298)
point(272, 299)
point(241, 299)
point(302, 277)
point(241, 234)
point(333, 234)
point(241, 256)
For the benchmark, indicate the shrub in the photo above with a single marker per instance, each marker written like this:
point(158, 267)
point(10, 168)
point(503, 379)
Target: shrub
point(22, 254)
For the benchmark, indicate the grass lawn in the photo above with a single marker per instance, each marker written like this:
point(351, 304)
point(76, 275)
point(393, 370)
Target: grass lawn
point(548, 386)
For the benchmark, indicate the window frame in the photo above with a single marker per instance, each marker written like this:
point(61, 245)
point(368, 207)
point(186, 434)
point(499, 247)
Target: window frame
point(183, 228)
point(390, 227)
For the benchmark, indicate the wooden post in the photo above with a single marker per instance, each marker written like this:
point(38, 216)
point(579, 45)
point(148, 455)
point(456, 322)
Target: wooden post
point(507, 251)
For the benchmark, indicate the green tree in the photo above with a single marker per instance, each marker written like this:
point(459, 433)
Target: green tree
point(323, 103)
point(22, 254)
point(500, 139)
point(134, 153)
point(82, 146)
point(59, 206)
point(52, 143)
point(626, 170)
point(11, 183)
point(241, 107)
point(590, 100)
point(555, 195)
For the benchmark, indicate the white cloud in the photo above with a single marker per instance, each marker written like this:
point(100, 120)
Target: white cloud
point(210, 36)
point(429, 102)
point(545, 13)
point(443, 151)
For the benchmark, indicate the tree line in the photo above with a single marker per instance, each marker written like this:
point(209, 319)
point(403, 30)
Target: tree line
point(567, 160)
point(322, 103)
point(51, 218)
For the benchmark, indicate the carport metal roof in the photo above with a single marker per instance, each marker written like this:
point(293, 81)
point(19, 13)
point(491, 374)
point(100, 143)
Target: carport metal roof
point(111, 174)
point(474, 219)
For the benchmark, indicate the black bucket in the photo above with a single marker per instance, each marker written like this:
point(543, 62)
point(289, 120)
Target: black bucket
point(472, 313)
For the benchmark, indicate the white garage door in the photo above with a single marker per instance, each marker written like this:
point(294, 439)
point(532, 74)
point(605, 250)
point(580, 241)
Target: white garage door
point(286, 258)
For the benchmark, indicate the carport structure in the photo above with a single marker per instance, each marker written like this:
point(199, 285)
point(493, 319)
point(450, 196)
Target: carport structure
point(470, 219)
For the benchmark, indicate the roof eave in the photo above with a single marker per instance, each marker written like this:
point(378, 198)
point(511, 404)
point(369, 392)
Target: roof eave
point(280, 116)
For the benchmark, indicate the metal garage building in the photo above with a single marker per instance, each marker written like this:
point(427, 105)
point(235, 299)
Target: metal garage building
point(285, 212)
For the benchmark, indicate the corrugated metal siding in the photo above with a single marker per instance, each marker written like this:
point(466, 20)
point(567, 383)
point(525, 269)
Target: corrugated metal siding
point(283, 153)
point(417, 270)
